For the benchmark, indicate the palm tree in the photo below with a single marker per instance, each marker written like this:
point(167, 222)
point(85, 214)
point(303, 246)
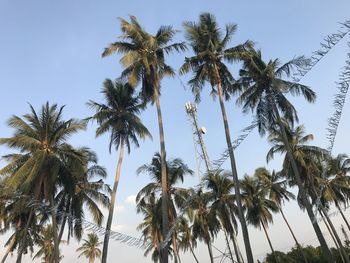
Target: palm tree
point(258, 205)
point(82, 191)
point(177, 196)
point(46, 246)
point(143, 61)
point(264, 92)
point(90, 248)
point(42, 140)
point(208, 65)
point(185, 237)
point(223, 204)
point(278, 193)
point(205, 223)
point(119, 116)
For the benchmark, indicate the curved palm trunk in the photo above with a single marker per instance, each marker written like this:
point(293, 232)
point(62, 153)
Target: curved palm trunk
point(332, 236)
point(21, 248)
point(9, 248)
point(54, 229)
point(342, 215)
point(164, 181)
point(210, 252)
point(342, 249)
point(228, 246)
point(306, 201)
point(111, 208)
point(243, 223)
point(294, 237)
point(268, 239)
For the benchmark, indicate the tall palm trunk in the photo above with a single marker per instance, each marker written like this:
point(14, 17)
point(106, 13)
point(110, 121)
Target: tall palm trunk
point(228, 246)
point(342, 249)
point(342, 215)
point(294, 237)
point(9, 248)
point(268, 239)
point(164, 181)
point(302, 191)
point(21, 248)
point(245, 233)
point(210, 252)
point(237, 250)
point(64, 221)
point(54, 229)
point(111, 208)
point(332, 236)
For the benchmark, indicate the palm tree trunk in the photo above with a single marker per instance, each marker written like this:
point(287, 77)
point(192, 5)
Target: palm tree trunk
point(9, 248)
point(294, 237)
point(21, 247)
point(228, 246)
point(210, 252)
point(245, 233)
point(268, 239)
point(302, 191)
point(332, 236)
point(164, 181)
point(111, 208)
point(62, 228)
point(342, 215)
point(237, 250)
point(194, 255)
point(342, 249)
point(54, 229)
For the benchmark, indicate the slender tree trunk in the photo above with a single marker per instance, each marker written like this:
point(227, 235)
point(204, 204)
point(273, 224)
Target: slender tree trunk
point(332, 236)
point(237, 250)
point(164, 181)
point(268, 239)
point(342, 249)
point(111, 208)
point(56, 250)
point(228, 246)
point(210, 252)
point(302, 191)
point(9, 248)
point(294, 237)
point(243, 223)
point(62, 228)
point(194, 255)
point(21, 247)
point(342, 215)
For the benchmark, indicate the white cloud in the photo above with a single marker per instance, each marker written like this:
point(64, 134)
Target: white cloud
point(116, 227)
point(131, 199)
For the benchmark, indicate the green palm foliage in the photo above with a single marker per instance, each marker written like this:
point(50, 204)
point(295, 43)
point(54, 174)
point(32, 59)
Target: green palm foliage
point(176, 172)
point(90, 248)
point(84, 191)
point(119, 117)
point(258, 206)
point(211, 52)
point(39, 168)
point(143, 60)
point(265, 86)
point(46, 245)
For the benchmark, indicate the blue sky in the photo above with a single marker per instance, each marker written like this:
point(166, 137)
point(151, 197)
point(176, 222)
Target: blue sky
point(51, 51)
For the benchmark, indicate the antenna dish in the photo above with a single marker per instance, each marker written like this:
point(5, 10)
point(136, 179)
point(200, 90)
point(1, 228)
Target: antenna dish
point(203, 130)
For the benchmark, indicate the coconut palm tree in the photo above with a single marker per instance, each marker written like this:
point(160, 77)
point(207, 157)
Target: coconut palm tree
point(308, 159)
point(211, 51)
point(258, 206)
point(37, 170)
point(143, 60)
point(277, 192)
point(82, 191)
point(119, 116)
point(90, 248)
point(185, 238)
point(176, 171)
point(223, 204)
point(46, 245)
point(265, 92)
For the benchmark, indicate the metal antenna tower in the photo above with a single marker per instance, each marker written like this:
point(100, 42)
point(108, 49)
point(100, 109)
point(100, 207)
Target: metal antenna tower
point(201, 151)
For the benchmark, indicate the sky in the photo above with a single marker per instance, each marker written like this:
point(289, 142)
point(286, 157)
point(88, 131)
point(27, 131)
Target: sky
point(51, 51)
